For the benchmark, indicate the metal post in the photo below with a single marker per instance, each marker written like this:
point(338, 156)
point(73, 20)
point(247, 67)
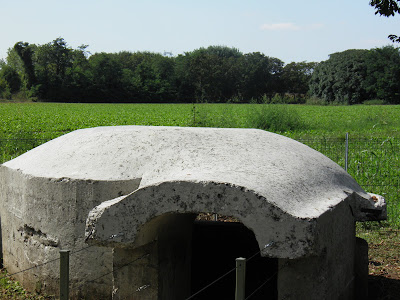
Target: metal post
point(346, 160)
point(240, 278)
point(64, 274)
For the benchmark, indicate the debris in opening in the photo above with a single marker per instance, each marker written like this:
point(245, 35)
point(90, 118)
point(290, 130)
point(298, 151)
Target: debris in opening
point(216, 217)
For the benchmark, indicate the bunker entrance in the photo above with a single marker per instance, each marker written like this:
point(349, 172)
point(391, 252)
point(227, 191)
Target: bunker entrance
point(215, 246)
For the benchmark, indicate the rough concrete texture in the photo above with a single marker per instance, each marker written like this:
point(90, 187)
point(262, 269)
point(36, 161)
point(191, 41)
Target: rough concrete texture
point(132, 183)
point(290, 175)
point(40, 216)
point(328, 274)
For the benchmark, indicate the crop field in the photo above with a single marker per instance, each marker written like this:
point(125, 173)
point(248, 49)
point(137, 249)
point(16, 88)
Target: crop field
point(378, 121)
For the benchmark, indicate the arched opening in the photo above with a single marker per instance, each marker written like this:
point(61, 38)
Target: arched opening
point(215, 246)
point(184, 255)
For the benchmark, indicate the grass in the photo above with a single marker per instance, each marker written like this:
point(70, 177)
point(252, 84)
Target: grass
point(317, 120)
point(11, 289)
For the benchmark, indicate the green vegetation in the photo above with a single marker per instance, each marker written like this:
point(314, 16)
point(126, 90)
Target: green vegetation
point(276, 118)
point(12, 290)
point(217, 74)
point(43, 119)
point(353, 76)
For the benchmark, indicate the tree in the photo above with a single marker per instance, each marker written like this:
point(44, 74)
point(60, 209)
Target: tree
point(60, 71)
point(256, 72)
point(147, 76)
point(5, 91)
point(25, 52)
point(260, 75)
point(11, 77)
point(296, 77)
point(14, 61)
point(387, 8)
point(212, 72)
point(341, 78)
point(383, 74)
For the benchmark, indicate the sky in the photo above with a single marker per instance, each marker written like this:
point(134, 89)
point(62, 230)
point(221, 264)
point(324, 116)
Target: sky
point(290, 30)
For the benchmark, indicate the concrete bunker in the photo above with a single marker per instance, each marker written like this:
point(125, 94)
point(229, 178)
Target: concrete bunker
point(133, 193)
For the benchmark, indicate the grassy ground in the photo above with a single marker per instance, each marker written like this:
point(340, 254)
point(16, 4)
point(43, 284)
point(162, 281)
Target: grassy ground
point(315, 120)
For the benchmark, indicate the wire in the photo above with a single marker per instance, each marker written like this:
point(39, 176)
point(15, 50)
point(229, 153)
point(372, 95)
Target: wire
point(251, 257)
point(258, 252)
point(37, 266)
point(96, 243)
point(55, 259)
point(113, 270)
point(264, 283)
point(207, 286)
point(230, 271)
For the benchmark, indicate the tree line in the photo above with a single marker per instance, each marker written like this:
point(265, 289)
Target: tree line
point(57, 72)
point(353, 76)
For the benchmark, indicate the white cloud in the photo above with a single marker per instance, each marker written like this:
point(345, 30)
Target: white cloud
point(280, 26)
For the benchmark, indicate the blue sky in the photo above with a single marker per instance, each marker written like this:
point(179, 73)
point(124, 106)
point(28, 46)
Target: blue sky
point(290, 30)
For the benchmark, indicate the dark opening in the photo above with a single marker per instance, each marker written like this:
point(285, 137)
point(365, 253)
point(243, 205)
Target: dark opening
point(215, 246)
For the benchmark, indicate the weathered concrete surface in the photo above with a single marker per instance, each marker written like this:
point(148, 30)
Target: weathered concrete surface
point(132, 216)
point(329, 274)
point(275, 186)
point(42, 215)
point(299, 180)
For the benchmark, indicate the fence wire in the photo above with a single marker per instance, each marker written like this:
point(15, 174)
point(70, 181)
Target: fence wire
point(373, 162)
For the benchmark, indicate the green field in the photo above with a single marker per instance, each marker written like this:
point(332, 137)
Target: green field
point(373, 130)
point(362, 120)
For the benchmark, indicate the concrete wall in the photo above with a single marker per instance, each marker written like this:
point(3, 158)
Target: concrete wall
point(40, 216)
point(330, 274)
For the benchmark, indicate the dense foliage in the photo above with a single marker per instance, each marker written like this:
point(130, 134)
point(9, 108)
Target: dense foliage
point(56, 72)
point(353, 76)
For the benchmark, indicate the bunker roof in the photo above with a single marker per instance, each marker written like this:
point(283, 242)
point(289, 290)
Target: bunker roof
point(284, 172)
